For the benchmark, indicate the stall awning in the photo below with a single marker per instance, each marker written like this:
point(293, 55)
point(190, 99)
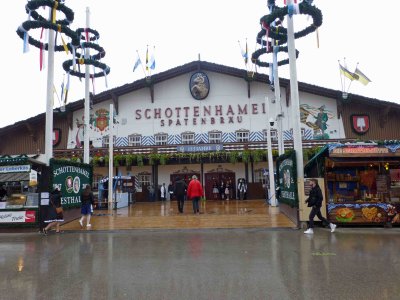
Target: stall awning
point(315, 160)
point(7, 177)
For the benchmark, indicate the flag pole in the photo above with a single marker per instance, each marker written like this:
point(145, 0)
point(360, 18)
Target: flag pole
point(295, 103)
point(87, 97)
point(49, 98)
point(111, 154)
point(144, 72)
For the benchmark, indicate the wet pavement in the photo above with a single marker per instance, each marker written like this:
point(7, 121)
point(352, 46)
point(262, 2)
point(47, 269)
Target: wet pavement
point(353, 263)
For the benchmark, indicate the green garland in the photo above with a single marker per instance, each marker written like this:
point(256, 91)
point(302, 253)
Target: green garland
point(100, 50)
point(28, 25)
point(95, 33)
point(255, 56)
point(32, 5)
point(93, 60)
point(68, 64)
point(279, 13)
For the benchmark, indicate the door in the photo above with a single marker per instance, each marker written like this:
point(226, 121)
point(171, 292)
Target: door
point(218, 177)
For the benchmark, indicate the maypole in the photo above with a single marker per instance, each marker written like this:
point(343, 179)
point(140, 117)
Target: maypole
point(272, 29)
point(89, 37)
point(53, 25)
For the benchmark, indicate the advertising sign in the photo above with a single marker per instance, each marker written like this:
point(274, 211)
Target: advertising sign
point(287, 174)
point(70, 178)
point(28, 216)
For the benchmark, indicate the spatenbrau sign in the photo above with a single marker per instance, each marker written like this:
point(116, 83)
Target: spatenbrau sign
point(71, 180)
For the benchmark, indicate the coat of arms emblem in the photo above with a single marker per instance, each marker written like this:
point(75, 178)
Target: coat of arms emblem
point(360, 123)
point(199, 85)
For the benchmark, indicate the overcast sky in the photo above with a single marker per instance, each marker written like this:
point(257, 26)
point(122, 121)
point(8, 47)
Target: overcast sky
point(362, 31)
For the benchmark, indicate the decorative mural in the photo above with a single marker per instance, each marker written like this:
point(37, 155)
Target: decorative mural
point(316, 118)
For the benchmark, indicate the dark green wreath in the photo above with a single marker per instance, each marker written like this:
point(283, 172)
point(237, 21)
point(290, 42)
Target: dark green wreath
point(28, 25)
point(32, 5)
point(68, 64)
point(255, 56)
point(280, 13)
point(95, 33)
point(100, 50)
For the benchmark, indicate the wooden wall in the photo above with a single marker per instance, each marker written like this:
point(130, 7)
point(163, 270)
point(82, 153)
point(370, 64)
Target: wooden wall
point(27, 137)
point(384, 121)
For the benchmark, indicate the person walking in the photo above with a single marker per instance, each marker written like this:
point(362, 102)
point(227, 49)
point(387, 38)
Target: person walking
point(163, 192)
point(55, 212)
point(171, 191)
point(242, 189)
point(314, 201)
point(180, 187)
point(87, 202)
point(194, 192)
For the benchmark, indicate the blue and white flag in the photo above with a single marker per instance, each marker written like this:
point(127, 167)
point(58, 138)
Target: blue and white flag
point(152, 62)
point(137, 63)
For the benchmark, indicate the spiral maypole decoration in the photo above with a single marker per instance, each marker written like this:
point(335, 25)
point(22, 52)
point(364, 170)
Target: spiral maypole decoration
point(35, 21)
point(90, 38)
point(273, 35)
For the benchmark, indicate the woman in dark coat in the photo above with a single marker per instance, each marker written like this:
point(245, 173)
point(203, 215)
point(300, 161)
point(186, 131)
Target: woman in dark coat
point(54, 218)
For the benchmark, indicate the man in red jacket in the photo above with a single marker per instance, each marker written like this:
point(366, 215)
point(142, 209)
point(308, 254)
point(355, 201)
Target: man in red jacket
point(194, 192)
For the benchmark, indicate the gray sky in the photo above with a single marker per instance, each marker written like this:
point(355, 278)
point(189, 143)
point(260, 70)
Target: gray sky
point(181, 30)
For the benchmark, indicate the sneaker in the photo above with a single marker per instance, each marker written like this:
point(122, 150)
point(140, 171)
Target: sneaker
point(333, 227)
point(88, 225)
point(309, 231)
point(80, 222)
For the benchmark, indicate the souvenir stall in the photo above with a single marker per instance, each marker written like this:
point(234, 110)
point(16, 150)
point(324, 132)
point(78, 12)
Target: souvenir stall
point(19, 197)
point(123, 191)
point(362, 181)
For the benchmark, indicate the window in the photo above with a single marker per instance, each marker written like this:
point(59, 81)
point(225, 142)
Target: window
point(214, 137)
point(106, 141)
point(135, 140)
point(242, 136)
point(274, 135)
point(303, 133)
point(144, 179)
point(160, 139)
point(187, 138)
point(96, 180)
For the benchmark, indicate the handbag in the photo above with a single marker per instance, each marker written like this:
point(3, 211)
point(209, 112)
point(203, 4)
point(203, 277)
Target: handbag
point(59, 210)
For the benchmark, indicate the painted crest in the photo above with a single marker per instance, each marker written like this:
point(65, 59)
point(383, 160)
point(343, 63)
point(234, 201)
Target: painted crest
point(199, 85)
point(100, 119)
point(360, 123)
point(56, 136)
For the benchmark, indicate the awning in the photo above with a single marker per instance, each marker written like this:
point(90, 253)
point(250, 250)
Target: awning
point(7, 177)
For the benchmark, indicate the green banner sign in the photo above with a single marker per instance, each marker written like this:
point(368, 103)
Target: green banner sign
point(70, 178)
point(287, 174)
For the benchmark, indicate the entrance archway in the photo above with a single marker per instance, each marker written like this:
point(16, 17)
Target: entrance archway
point(218, 175)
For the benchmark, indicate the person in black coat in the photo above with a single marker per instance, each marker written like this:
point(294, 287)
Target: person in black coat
point(315, 202)
point(180, 187)
point(54, 217)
